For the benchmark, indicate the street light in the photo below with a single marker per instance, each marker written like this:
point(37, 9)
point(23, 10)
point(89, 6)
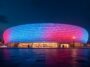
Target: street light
point(73, 40)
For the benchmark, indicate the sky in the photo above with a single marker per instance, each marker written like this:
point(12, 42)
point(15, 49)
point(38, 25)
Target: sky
point(17, 12)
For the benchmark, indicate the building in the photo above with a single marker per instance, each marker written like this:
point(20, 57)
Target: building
point(45, 35)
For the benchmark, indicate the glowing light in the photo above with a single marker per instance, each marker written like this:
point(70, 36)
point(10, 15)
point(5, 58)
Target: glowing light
point(74, 37)
point(45, 32)
point(64, 45)
point(38, 45)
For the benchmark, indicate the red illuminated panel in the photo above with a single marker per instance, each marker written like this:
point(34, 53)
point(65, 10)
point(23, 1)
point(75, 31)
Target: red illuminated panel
point(45, 32)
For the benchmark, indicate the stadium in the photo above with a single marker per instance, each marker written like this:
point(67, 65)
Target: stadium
point(45, 35)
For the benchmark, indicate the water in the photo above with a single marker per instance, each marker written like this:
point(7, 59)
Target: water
point(44, 57)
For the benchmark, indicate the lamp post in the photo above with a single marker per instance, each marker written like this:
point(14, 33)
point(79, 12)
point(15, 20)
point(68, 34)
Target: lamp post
point(73, 40)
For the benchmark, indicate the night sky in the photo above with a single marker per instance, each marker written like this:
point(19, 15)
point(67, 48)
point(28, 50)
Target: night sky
point(16, 12)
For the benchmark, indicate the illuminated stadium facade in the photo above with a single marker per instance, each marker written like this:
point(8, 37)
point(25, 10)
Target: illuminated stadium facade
point(44, 35)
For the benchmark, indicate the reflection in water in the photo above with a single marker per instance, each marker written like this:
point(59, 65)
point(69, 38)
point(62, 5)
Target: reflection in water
point(45, 57)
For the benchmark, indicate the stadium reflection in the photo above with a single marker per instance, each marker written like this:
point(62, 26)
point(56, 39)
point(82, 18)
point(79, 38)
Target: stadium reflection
point(45, 57)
